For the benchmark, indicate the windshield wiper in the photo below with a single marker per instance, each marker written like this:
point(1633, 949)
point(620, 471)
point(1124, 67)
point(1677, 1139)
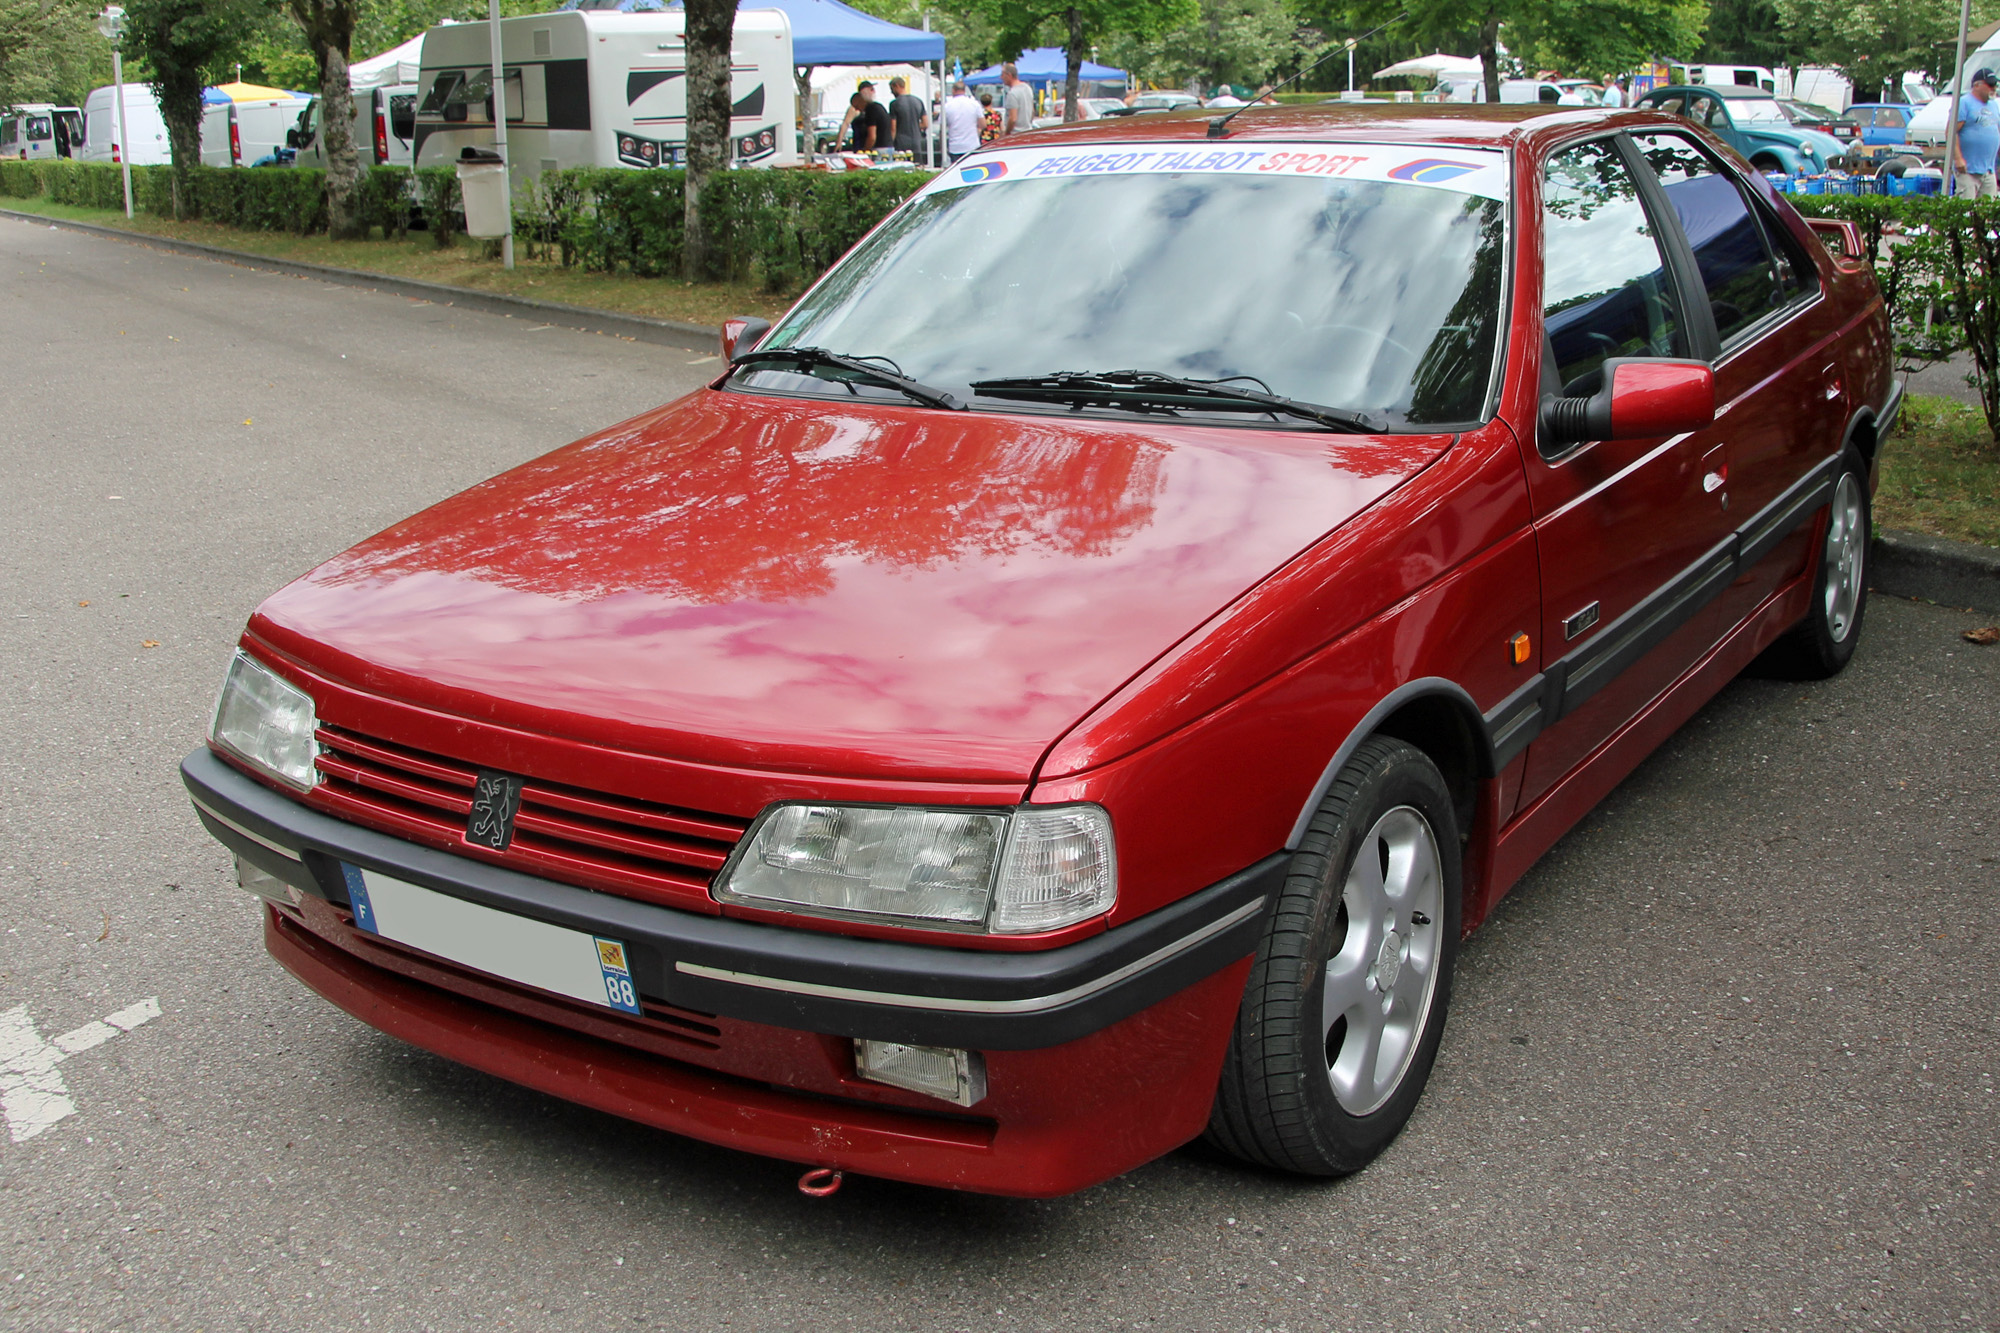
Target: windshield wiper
point(1144, 388)
point(807, 358)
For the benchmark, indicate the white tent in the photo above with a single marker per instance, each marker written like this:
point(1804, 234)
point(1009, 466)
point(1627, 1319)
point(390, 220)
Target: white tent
point(396, 66)
point(832, 85)
point(1438, 67)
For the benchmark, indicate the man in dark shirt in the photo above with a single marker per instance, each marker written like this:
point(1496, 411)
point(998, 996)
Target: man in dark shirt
point(872, 130)
point(909, 117)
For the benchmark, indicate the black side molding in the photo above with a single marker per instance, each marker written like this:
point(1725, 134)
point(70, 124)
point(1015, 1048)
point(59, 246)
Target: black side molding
point(1561, 689)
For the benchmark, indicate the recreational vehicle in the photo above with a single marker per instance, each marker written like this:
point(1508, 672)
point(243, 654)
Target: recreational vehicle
point(600, 88)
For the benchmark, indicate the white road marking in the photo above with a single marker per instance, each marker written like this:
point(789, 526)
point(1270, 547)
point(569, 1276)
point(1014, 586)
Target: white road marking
point(33, 1095)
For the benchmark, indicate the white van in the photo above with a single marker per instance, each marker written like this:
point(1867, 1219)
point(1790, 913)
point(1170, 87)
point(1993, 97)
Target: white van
point(238, 134)
point(601, 88)
point(143, 122)
point(384, 130)
point(1742, 76)
point(37, 130)
point(1927, 127)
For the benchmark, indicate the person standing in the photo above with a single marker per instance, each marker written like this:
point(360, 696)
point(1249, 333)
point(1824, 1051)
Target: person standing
point(989, 119)
point(1614, 93)
point(1978, 138)
point(961, 123)
point(1018, 114)
point(872, 130)
point(908, 117)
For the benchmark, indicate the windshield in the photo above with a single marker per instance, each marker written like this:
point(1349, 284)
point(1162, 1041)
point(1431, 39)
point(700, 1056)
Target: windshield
point(1378, 296)
point(1756, 111)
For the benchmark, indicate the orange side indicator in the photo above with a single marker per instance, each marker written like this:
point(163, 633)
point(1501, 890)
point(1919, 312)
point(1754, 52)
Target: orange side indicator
point(1521, 648)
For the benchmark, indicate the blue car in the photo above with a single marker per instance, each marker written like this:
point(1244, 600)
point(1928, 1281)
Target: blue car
point(1882, 123)
point(1751, 121)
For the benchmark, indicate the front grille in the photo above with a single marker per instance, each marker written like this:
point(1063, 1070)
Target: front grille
point(633, 848)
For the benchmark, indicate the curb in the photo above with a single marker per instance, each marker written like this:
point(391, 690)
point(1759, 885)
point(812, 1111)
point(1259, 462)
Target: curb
point(1909, 564)
point(666, 332)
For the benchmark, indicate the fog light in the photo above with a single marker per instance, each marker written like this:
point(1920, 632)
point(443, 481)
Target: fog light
point(255, 879)
point(936, 1071)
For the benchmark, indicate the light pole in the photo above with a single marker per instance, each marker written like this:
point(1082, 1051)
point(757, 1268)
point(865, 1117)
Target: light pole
point(112, 24)
point(500, 129)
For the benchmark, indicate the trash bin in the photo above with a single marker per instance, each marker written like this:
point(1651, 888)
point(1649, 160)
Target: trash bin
point(482, 182)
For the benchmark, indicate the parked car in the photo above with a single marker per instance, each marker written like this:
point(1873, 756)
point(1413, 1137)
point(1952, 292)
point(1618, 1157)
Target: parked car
point(1812, 116)
point(1088, 108)
point(1750, 121)
point(1155, 101)
point(993, 763)
point(1882, 124)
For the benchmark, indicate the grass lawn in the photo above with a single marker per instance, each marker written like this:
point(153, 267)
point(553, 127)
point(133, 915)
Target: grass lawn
point(460, 265)
point(1941, 473)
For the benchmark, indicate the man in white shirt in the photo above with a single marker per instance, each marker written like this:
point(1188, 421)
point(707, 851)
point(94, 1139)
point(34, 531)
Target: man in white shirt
point(961, 123)
point(1613, 94)
point(1017, 116)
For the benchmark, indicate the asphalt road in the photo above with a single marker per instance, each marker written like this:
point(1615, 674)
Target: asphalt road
point(1725, 1060)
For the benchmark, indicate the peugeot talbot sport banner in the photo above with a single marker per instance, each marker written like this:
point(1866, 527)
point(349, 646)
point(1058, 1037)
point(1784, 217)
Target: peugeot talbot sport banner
point(1480, 172)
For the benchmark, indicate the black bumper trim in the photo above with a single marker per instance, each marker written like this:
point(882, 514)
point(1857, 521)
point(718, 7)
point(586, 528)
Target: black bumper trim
point(783, 975)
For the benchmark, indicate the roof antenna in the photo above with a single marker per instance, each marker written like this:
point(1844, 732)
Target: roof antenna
point(1219, 127)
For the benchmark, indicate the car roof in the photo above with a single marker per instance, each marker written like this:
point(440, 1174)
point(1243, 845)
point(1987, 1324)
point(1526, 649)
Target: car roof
point(1719, 90)
point(1891, 106)
point(1475, 124)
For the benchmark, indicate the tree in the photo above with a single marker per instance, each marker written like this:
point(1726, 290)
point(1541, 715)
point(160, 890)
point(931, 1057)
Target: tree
point(184, 42)
point(1872, 44)
point(1229, 41)
point(1080, 24)
point(1746, 32)
point(328, 26)
point(711, 24)
point(50, 51)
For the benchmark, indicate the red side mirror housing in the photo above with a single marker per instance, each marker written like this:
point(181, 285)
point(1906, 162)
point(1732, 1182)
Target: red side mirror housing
point(1843, 238)
point(1640, 398)
point(742, 333)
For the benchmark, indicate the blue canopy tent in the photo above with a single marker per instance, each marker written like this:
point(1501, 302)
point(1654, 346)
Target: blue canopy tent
point(1046, 65)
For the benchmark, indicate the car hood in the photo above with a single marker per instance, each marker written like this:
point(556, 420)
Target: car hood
point(837, 588)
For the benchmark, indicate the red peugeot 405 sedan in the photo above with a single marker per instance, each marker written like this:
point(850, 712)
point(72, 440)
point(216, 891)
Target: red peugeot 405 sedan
point(1069, 686)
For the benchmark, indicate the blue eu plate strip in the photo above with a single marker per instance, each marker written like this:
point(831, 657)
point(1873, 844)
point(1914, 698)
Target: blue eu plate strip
point(357, 898)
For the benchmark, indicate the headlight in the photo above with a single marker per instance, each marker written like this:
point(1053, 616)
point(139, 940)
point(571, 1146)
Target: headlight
point(1036, 868)
point(267, 722)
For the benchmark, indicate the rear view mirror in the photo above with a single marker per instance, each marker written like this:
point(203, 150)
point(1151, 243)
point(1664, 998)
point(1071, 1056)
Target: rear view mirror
point(1640, 398)
point(742, 333)
point(1843, 238)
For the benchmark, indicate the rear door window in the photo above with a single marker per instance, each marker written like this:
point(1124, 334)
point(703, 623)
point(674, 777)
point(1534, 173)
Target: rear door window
point(1745, 274)
point(1605, 290)
point(403, 115)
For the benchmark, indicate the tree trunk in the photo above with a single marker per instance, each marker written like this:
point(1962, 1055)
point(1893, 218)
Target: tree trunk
point(180, 107)
point(336, 131)
point(710, 26)
point(1074, 53)
point(1489, 53)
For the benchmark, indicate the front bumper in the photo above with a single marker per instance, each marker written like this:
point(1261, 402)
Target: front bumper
point(790, 977)
point(1100, 1056)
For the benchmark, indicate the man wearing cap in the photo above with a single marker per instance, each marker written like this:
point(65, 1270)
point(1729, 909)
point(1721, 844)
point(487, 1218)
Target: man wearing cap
point(1978, 138)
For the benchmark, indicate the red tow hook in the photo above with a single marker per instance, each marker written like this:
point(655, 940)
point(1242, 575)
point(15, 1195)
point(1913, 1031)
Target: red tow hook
point(819, 1182)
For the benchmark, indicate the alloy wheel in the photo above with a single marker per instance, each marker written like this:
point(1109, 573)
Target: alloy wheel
point(1844, 558)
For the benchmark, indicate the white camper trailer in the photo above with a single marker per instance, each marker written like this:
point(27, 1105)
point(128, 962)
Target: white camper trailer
point(600, 88)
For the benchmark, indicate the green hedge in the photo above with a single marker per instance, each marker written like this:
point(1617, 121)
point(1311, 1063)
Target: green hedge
point(780, 228)
point(1938, 263)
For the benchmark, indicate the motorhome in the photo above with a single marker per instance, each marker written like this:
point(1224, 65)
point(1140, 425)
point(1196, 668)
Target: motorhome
point(144, 125)
point(40, 130)
point(601, 88)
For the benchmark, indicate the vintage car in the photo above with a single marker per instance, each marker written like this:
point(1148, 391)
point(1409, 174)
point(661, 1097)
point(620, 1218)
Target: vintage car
point(994, 760)
point(1751, 121)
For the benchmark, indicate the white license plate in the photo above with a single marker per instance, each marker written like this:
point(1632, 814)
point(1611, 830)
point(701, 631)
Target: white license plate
point(533, 953)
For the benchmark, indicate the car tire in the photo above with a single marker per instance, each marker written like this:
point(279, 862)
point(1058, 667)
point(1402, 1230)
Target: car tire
point(1898, 165)
point(1348, 992)
point(1823, 643)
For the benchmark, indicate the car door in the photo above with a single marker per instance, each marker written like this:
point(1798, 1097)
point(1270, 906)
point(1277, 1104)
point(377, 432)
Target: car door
point(1626, 535)
point(1781, 405)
